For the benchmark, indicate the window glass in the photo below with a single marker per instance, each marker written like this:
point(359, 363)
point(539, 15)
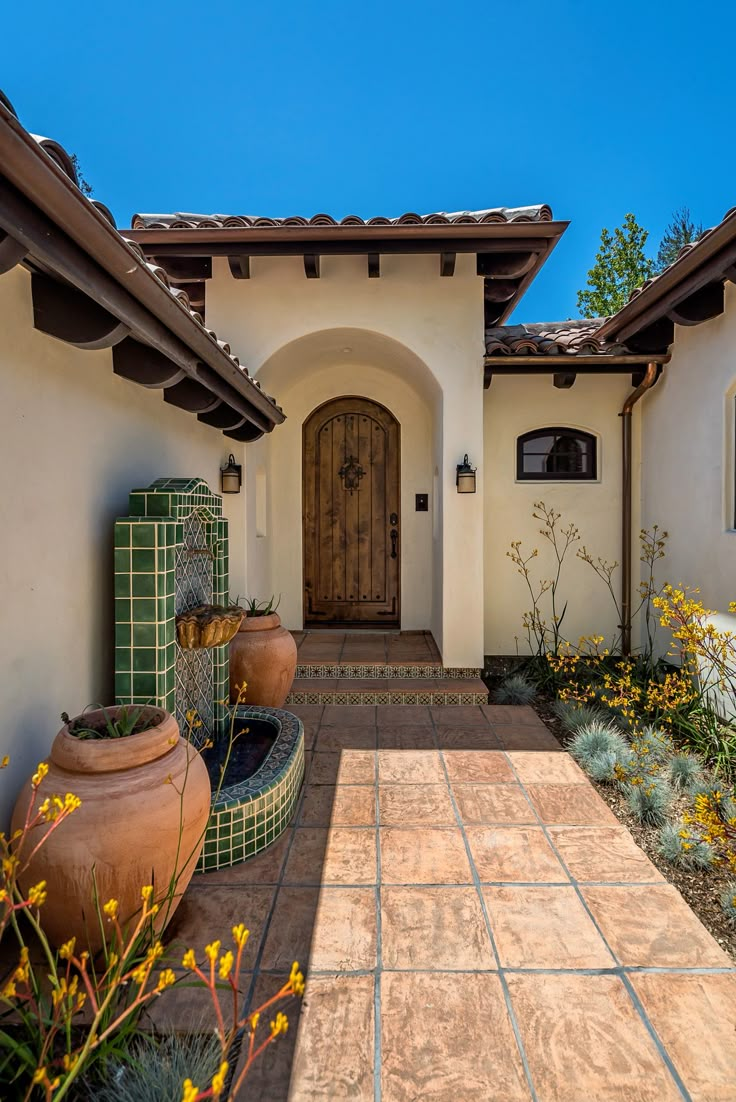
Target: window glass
point(555, 454)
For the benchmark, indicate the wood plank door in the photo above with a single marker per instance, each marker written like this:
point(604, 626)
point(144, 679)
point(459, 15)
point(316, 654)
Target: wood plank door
point(352, 527)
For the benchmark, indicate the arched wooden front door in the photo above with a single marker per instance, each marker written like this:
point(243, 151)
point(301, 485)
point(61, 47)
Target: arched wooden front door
point(351, 515)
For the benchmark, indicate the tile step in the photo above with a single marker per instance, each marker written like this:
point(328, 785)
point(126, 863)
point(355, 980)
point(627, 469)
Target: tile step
point(371, 691)
point(355, 671)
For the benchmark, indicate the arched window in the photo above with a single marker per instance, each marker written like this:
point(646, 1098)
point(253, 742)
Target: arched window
point(556, 454)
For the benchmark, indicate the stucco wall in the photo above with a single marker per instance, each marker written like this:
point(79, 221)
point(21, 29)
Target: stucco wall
point(75, 439)
point(514, 405)
point(423, 330)
point(689, 431)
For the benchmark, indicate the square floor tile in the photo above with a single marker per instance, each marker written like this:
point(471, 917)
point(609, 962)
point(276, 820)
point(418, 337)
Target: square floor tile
point(585, 1041)
point(492, 803)
point(402, 715)
point(460, 1046)
point(478, 738)
point(516, 714)
point(465, 715)
point(341, 855)
point(325, 929)
point(344, 738)
point(527, 737)
point(349, 715)
point(603, 853)
point(544, 928)
point(416, 737)
point(338, 805)
point(327, 1052)
point(514, 853)
point(434, 928)
point(546, 767)
point(343, 767)
point(490, 766)
point(415, 805)
point(208, 914)
point(420, 855)
point(570, 804)
point(410, 767)
point(653, 927)
point(695, 1017)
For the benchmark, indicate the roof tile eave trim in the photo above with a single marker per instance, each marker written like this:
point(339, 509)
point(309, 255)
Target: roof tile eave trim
point(47, 184)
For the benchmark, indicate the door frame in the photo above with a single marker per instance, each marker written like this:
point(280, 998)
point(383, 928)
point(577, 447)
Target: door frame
point(351, 625)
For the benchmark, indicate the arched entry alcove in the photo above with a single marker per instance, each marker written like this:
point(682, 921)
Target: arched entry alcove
point(351, 514)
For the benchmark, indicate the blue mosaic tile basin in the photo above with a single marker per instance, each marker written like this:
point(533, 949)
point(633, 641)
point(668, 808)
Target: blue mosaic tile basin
point(251, 811)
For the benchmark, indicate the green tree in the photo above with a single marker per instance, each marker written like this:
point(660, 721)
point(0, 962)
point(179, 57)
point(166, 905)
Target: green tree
point(681, 231)
point(620, 266)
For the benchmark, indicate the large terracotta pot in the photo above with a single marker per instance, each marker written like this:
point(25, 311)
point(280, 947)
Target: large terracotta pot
point(126, 829)
point(263, 654)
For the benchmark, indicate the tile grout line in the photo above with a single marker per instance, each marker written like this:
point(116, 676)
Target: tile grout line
point(638, 1007)
point(476, 882)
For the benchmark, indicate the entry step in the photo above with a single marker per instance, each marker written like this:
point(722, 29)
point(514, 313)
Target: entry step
point(383, 690)
point(379, 671)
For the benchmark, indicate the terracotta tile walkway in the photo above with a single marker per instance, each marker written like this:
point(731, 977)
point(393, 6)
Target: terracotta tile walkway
point(476, 925)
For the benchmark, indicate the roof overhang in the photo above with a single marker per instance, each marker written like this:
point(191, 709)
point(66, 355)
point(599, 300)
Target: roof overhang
point(94, 290)
point(565, 369)
point(688, 292)
point(509, 254)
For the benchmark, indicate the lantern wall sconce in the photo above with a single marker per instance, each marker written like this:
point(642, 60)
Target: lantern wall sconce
point(231, 477)
point(465, 478)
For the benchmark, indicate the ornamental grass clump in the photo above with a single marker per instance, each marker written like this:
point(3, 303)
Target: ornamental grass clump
point(683, 771)
point(156, 1067)
point(681, 846)
point(572, 714)
point(516, 689)
point(650, 800)
point(728, 901)
point(598, 737)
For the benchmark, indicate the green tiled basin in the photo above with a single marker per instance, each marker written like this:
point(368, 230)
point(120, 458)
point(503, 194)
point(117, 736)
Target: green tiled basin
point(250, 814)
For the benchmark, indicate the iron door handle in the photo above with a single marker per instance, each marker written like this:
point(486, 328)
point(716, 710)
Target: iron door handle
point(394, 541)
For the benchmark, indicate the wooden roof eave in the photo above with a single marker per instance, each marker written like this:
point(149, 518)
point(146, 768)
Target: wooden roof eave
point(557, 364)
point(36, 179)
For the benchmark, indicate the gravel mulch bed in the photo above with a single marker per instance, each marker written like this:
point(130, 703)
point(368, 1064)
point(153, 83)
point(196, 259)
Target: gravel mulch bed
point(700, 889)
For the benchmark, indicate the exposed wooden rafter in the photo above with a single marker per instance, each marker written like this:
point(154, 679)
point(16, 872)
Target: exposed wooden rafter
point(239, 266)
point(311, 265)
point(64, 312)
point(185, 269)
point(447, 264)
point(700, 306)
point(506, 265)
point(144, 365)
point(191, 396)
point(11, 252)
point(563, 380)
point(374, 265)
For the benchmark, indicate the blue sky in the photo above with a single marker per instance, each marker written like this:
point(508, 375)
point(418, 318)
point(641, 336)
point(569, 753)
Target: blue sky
point(291, 108)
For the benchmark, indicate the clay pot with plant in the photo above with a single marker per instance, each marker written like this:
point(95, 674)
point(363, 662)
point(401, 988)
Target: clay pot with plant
point(263, 654)
point(145, 800)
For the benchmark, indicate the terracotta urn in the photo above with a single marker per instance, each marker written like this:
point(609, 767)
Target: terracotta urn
point(263, 654)
point(137, 791)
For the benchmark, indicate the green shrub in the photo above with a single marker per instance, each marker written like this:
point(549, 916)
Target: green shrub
point(516, 689)
point(683, 771)
point(655, 745)
point(681, 847)
point(650, 800)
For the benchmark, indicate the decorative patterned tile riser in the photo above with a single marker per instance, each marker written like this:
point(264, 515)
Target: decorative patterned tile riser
point(376, 671)
point(373, 698)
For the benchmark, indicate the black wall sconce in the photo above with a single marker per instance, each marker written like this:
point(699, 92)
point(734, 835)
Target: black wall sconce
point(231, 477)
point(465, 478)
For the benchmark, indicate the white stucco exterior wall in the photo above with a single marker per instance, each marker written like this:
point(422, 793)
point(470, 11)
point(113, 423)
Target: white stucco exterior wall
point(75, 440)
point(411, 324)
point(688, 439)
point(517, 404)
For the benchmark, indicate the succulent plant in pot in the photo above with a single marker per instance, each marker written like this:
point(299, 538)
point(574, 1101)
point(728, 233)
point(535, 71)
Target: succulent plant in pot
point(263, 654)
point(145, 800)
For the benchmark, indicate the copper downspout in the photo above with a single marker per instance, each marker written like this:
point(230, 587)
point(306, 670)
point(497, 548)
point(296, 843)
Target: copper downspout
point(648, 381)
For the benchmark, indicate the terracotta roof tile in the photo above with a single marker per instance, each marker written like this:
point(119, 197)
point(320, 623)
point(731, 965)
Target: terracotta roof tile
point(576, 337)
point(179, 221)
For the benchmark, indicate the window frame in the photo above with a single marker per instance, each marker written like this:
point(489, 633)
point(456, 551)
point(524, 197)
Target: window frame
point(589, 438)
